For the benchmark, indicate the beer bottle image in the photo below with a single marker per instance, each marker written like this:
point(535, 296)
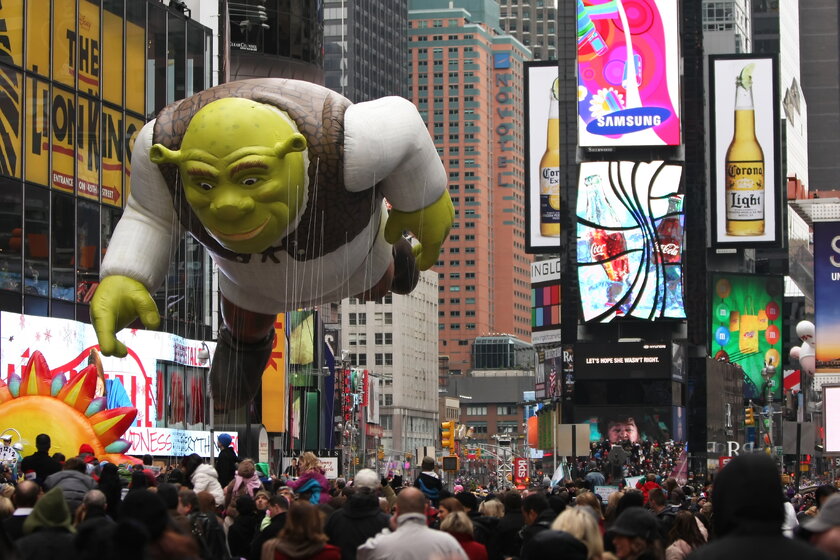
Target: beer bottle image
point(550, 169)
point(744, 165)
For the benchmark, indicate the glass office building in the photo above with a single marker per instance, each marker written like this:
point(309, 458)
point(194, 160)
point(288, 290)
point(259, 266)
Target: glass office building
point(79, 80)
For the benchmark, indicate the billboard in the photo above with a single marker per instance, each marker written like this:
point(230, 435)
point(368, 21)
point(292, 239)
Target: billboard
point(545, 301)
point(831, 404)
point(66, 345)
point(630, 224)
point(633, 423)
point(542, 157)
point(826, 302)
point(628, 73)
point(744, 121)
point(746, 327)
point(622, 360)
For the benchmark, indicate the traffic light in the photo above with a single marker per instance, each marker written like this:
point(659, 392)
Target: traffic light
point(749, 416)
point(447, 435)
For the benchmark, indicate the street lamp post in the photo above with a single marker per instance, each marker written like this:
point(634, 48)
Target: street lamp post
point(204, 357)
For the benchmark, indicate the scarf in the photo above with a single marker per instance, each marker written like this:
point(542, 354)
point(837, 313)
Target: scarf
point(252, 483)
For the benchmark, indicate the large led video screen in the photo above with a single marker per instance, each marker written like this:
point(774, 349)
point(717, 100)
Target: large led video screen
point(746, 195)
point(746, 327)
point(543, 167)
point(628, 73)
point(630, 223)
point(634, 423)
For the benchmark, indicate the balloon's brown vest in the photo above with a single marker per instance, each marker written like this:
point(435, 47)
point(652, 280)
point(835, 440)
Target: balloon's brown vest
point(333, 215)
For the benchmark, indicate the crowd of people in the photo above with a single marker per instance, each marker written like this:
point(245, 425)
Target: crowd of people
point(80, 508)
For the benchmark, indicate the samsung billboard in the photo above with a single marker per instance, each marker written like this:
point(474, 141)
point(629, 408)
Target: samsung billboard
point(628, 73)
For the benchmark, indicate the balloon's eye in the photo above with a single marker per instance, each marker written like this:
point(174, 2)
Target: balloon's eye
point(206, 186)
point(250, 181)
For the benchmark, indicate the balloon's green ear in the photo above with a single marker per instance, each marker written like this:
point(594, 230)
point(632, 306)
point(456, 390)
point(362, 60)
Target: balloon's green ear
point(161, 154)
point(294, 143)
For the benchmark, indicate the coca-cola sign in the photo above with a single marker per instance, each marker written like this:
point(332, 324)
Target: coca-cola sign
point(630, 224)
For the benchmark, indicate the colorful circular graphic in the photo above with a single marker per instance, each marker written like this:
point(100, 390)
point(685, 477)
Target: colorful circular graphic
point(722, 336)
point(772, 357)
point(723, 288)
point(640, 16)
point(771, 335)
point(772, 310)
point(722, 312)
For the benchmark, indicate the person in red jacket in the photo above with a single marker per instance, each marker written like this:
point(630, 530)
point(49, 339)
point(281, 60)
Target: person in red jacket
point(458, 524)
point(302, 537)
point(649, 484)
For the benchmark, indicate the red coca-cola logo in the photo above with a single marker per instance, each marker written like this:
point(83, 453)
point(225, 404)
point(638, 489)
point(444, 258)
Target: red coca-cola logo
point(598, 250)
point(672, 249)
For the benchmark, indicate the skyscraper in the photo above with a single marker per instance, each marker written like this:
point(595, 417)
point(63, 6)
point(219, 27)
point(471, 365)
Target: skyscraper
point(534, 23)
point(466, 79)
point(820, 57)
point(726, 26)
point(366, 48)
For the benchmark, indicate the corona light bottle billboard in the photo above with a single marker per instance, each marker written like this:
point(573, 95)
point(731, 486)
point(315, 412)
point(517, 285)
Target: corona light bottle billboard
point(746, 189)
point(744, 165)
point(550, 169)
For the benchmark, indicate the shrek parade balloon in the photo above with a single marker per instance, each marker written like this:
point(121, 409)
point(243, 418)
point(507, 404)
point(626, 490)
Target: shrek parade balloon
point(285, 184)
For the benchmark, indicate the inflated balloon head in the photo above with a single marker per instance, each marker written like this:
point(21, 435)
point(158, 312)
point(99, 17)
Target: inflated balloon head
point(243, 166)
point(806, 331)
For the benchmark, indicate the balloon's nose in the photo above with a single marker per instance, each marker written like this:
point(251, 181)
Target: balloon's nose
point(230, 208)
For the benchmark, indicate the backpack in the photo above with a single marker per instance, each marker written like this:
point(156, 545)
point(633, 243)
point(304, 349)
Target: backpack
point(211, 537)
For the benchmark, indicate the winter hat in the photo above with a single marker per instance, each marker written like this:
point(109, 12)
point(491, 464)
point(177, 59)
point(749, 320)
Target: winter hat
point(826, 518)
point(225, 439)
point(458, 488)
point(263, 469)
point(85, 448)
point(50, 511)
point(635, 522)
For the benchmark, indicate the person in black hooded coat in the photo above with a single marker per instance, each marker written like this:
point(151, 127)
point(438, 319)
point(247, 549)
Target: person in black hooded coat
point(748, 514)
point(244, 527)
point(359, 519)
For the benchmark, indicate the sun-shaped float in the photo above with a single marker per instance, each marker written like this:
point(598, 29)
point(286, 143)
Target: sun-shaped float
point(68, 410)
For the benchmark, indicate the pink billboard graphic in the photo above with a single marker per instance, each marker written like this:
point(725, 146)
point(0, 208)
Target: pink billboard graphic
point(628, 90)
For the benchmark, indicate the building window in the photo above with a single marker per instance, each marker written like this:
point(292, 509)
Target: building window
point(478, 427)
point(507, 427)
point(506, 409)
point(384, 338)
point(476, 411)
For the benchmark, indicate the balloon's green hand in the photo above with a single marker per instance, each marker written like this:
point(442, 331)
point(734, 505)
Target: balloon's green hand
point(117, 302)
point(430, 225)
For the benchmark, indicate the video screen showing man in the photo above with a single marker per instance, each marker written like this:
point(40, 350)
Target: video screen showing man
point(620, 429)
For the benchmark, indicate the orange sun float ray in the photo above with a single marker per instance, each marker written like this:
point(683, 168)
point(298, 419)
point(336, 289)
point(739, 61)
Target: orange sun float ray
point(68, 410)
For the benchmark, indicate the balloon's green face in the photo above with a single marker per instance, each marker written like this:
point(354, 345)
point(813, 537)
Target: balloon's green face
point(243, 167)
